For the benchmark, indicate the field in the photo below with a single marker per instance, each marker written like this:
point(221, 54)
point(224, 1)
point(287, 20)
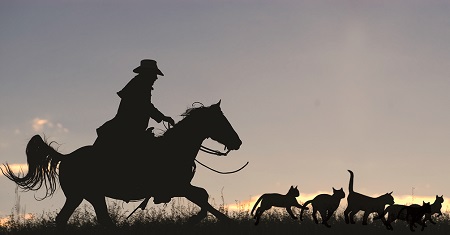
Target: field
point(172, 219)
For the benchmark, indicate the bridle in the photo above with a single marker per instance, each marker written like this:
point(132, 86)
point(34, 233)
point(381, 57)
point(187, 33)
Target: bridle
point(213, 152)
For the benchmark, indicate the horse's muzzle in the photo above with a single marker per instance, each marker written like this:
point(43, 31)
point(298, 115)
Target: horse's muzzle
point(235, 146)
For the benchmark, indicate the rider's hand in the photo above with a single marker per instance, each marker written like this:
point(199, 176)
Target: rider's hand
point(169, 120)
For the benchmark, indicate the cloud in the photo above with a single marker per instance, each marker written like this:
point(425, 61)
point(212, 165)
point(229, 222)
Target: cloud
point(39, 124)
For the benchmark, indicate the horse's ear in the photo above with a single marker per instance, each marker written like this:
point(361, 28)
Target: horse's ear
point(216, 105)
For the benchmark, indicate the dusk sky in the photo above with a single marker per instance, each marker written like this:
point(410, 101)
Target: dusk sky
point(313, 88)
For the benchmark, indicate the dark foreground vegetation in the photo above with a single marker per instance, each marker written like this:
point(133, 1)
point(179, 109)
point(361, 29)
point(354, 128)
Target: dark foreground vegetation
point(172, 219)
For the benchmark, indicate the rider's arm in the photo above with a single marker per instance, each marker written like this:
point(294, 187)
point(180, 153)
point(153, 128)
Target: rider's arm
point(156, 114)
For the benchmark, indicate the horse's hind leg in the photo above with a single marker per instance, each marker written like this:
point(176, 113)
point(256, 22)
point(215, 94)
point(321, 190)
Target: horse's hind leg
point(69, 207)
point(199, 196)
point(101, 211)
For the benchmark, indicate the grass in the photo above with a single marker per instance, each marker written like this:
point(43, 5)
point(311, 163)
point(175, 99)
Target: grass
point(172, 219)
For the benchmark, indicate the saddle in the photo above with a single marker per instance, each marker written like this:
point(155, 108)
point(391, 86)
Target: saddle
point(120, 141)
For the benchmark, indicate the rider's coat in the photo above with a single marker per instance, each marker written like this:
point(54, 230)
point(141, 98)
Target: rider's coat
point(135, 109)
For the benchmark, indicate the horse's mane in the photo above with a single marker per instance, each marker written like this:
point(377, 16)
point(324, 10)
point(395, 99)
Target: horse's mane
point(190, 111)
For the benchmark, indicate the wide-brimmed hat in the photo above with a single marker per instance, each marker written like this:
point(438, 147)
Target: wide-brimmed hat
point(148, 65)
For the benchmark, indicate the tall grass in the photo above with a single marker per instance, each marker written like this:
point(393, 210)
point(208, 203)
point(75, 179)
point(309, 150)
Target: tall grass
point(172, 219)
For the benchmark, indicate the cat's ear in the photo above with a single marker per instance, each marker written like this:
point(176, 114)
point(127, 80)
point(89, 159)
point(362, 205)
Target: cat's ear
point(391, 192)
point(334, 189)
point(296, 186)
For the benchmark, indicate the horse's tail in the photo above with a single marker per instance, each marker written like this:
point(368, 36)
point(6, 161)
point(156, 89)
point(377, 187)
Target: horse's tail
point(42, 162)
point(256, 204)
point(303, 208)
point(350, 184)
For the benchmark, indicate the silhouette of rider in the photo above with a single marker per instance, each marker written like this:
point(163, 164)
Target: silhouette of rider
point(135, 110)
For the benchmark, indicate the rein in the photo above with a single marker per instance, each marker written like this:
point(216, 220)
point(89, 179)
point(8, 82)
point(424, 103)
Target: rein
point(221, 172)
point(213, 152)
point(218, 153)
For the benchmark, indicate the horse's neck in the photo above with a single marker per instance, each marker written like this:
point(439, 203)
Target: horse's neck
point(186, 136)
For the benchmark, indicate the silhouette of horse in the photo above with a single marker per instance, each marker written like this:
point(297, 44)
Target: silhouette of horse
point(164, 164)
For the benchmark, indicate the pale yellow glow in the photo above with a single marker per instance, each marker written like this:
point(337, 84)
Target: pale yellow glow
point(17, 168)
point(27, 216)
point(38, 124)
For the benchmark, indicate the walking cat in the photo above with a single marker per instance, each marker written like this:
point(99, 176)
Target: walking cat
point(435, 208)
point(393, 213)
point(414, 214)
point(326, 205)
point(359, 202)
point(278, 200)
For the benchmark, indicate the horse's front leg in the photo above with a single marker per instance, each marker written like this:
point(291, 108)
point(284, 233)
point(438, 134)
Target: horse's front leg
point(199, 196)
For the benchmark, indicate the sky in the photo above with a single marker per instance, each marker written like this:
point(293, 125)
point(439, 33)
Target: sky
point(313, 88)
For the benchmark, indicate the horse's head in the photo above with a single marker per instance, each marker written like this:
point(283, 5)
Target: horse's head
point(209, 122)
point(220, 129)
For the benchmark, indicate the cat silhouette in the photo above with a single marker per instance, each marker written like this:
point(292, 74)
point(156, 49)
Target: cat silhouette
point(268, 200)
point(415, 213)
point(393, 213)
point(325, 204)
point(358, 202)
point(435, 209)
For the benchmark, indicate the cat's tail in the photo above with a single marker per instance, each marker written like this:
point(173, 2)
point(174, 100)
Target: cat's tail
point(256, 204)
point(304, 208)
point(350, 184)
